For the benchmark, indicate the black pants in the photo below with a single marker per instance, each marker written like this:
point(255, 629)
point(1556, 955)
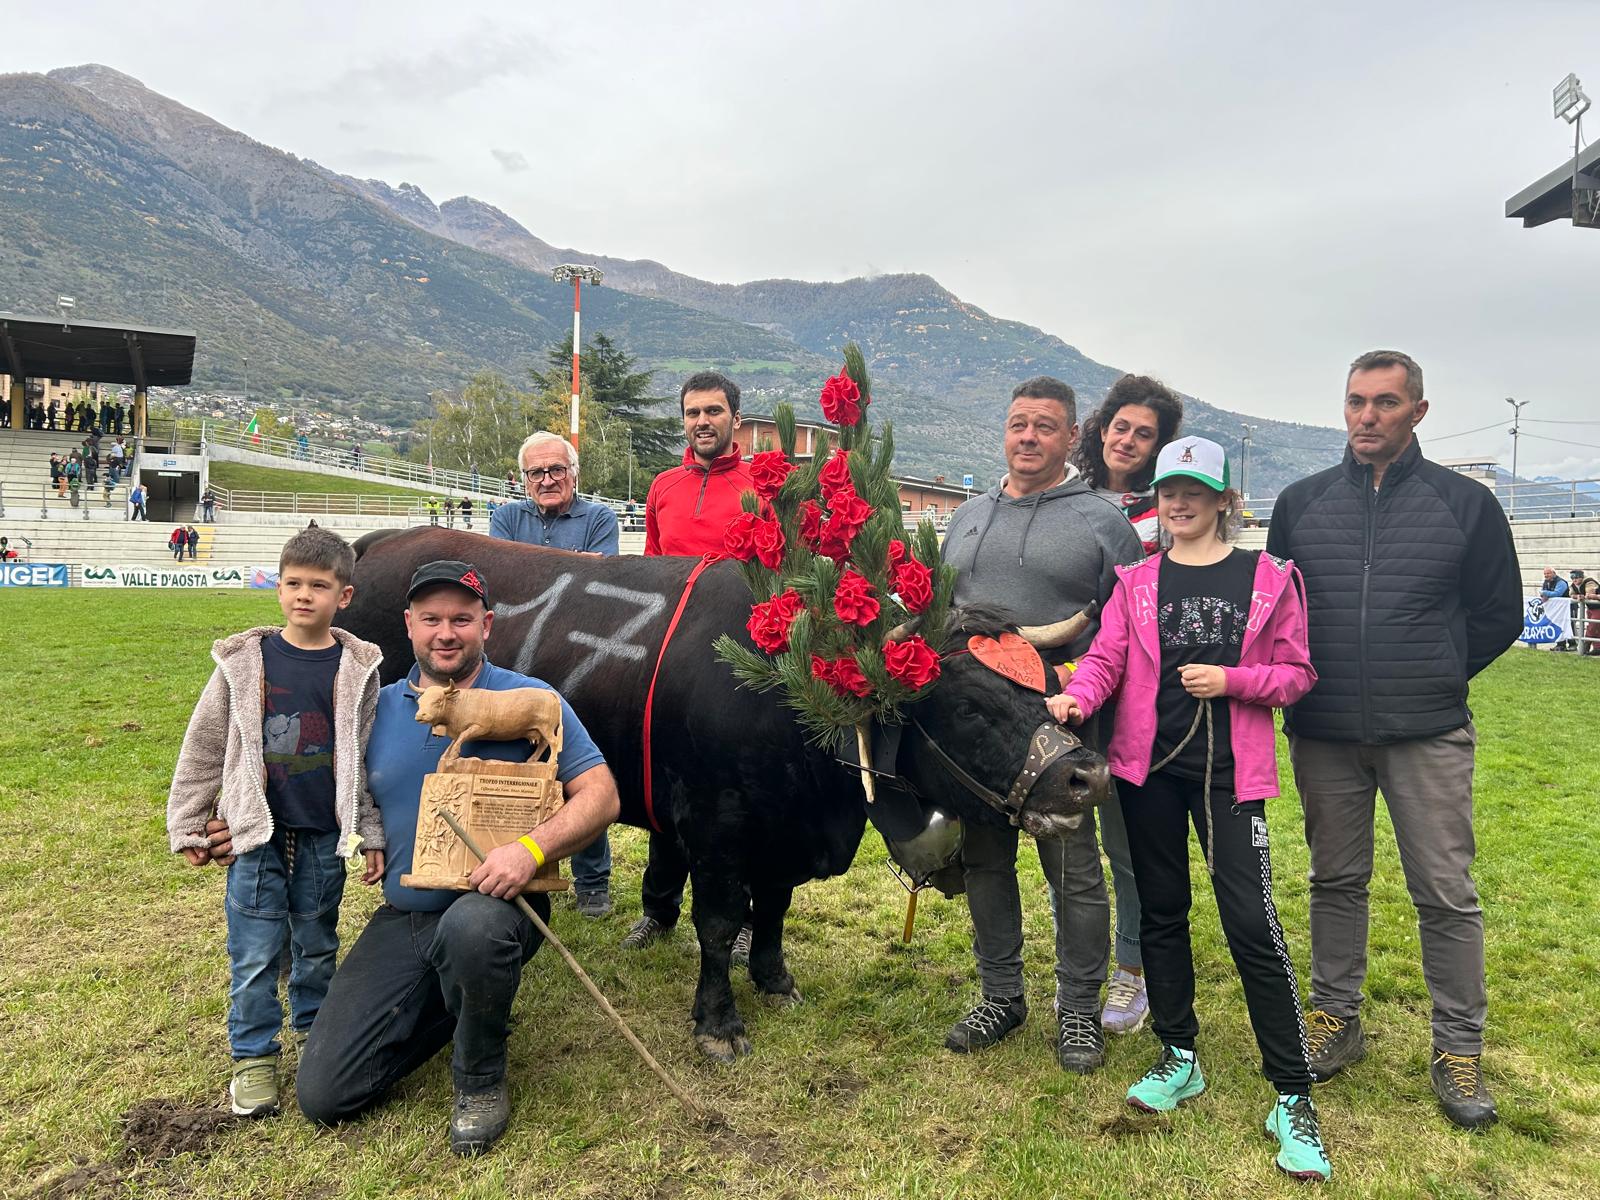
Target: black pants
point(412, 983)
point(1159, 815)
point(661, 893)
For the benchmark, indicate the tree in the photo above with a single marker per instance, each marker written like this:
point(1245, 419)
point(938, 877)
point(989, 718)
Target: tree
point(482, 426)
point(623, 394)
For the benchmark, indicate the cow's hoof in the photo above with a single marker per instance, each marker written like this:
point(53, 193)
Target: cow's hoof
point(722, 1050)
point(783, 999)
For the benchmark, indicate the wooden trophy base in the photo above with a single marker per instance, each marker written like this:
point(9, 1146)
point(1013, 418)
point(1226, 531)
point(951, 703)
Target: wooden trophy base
point(497, 802)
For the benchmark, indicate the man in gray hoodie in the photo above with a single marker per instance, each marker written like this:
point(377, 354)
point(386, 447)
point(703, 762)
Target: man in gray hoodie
point(1042, 545)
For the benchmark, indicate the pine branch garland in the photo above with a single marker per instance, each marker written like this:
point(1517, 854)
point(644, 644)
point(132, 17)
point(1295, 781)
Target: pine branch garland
point(820, 660)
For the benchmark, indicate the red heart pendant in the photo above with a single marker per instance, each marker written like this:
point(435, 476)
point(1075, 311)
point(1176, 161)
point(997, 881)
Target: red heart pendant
point(1010, 655)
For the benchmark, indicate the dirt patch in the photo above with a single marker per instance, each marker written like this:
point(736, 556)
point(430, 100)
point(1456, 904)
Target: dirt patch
point(130, 727)
point(1126, 1125)
point(762, 1148)
point(841, 1085)
point(88, 1182)
point(156, 1129)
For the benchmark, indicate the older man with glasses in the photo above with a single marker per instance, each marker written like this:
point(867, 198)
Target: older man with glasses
point(555, 515)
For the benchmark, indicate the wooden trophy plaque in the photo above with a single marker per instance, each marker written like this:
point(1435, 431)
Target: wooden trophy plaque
point(497, 802)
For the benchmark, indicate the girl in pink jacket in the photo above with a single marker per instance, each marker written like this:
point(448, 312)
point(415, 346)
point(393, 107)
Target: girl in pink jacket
point(1198, 646)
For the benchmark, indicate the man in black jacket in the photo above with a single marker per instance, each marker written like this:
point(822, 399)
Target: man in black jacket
point(1413, 588)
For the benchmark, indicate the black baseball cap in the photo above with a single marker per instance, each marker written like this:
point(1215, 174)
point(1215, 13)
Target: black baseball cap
point(452, 571)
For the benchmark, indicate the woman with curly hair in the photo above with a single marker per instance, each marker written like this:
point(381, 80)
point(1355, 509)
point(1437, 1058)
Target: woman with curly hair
point(1117, 453)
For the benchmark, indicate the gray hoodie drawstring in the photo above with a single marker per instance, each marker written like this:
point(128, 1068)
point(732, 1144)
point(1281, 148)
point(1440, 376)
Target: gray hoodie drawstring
point(1033, 511)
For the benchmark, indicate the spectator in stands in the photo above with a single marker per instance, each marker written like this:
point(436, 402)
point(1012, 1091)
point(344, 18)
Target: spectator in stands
point(117, 416)
point(86, 416)
point(57, 475)
point(116, 457)
point(50, 414)
point(449, 512)
point(1585, 591)
point(91, 463)
point(71, 474)
point(355, 454)
point(105, 416)
point(191, 538)
point(511, 483)
point(303, 446)
point(466, 511)
point(475, 481)
point(433, 510)
point(1554, 586)
point(489, 508)
point(177, 542)
point(5, 412)
point(208, 506)
point(7, 554)
point(110, 486)
point(136, 503)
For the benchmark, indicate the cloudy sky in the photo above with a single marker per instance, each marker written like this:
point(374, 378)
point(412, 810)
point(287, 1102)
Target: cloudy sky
point(1238, 197)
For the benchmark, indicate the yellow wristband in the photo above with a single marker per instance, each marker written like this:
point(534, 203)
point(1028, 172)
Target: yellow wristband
point(532, 848)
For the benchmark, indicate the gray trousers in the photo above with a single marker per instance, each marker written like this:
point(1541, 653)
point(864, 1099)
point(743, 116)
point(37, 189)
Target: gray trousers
point(1427, 786)
point(1077, 901)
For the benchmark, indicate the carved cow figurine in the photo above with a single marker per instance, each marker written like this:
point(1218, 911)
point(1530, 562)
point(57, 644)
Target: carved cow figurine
point(470, 714)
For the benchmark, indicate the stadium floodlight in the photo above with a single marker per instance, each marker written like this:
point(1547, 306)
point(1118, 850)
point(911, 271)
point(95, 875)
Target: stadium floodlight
point(577, 274)
point(1569, 98)
point(64, 306)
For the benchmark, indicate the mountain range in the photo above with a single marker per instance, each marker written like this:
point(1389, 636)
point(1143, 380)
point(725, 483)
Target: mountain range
point(302, 281)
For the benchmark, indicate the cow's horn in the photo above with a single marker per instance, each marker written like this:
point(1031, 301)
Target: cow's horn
point(1059, 633)
point(905, 629)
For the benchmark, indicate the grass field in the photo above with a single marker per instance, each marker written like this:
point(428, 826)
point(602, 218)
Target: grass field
point(113, 994)
point(245, 477)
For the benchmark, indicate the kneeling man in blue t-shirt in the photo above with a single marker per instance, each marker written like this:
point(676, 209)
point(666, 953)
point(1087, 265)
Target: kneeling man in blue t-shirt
point(433, 967)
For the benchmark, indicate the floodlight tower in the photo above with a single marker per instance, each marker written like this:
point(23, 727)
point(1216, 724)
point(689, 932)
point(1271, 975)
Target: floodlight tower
point(1516, 436)
point(577, 274)
point(64, 306)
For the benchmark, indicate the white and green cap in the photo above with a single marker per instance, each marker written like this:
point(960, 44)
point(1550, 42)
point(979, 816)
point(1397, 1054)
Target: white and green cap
point(1196, 457)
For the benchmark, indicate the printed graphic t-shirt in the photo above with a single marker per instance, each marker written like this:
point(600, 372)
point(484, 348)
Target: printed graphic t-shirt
point(297, 734)
point(1202, 616)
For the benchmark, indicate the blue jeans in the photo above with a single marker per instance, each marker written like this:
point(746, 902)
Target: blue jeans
point(591, 866)
point(1114, 841)
point(270, 904)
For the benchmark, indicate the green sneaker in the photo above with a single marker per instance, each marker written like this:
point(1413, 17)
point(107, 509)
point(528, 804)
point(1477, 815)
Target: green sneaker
point(1293, 1121)
point(254, 1090)
point(1175, 1078)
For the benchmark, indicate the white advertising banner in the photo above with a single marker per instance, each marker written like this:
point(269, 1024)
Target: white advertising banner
point(99, 575)
point(1546, 622)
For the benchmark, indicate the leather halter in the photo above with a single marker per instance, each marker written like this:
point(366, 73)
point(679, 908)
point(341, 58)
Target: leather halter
point(1046, 744)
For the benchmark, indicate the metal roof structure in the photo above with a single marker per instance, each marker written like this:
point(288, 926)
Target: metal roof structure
point(1551, 198)
point(37, 347)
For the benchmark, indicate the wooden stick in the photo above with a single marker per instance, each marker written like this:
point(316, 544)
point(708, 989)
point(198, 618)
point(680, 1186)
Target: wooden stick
point(911, 915)
point(684, 1098)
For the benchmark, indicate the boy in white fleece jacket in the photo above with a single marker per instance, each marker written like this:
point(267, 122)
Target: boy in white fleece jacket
point(274, 751)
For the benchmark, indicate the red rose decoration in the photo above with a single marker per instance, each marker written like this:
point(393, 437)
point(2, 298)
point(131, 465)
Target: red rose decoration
point(912, 662)
point(770, 621)
point(811, 523)
point(738, 539)
point(767, 539)
point(914, 584)
point(768, 470)
point(848, 513)
point(853, 600)
point(835, 474)
point(897, 553)
point(841, 400)
point(834, 544)
point(842, 675)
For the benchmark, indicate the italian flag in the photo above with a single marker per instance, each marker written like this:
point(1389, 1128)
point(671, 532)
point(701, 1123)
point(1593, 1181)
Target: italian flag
point(252, 428)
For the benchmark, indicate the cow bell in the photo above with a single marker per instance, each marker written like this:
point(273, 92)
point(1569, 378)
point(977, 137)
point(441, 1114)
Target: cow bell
point(935, 849)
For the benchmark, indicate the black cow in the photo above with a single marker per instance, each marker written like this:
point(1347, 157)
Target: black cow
point(757, 810)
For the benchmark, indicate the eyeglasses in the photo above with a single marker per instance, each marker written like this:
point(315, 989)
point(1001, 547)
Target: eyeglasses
point(557, 473)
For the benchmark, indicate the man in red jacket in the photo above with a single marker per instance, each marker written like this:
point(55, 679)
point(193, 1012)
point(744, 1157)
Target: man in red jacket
point(691, 504)
point(685, 513)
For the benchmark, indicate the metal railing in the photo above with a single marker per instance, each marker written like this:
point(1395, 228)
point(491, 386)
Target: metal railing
point(378, 466)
